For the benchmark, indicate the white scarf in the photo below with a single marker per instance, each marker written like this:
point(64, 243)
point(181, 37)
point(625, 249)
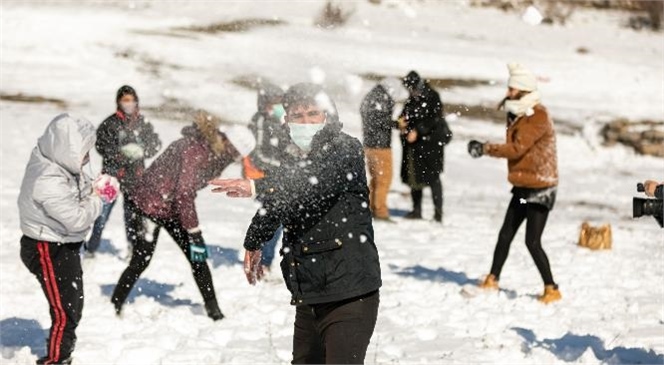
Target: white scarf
point(523, 106)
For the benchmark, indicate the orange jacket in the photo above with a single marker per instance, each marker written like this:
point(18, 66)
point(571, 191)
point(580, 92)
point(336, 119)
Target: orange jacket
point(530, 150)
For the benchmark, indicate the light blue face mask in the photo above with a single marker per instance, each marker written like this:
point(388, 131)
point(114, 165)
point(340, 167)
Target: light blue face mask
point(303, 134)
point(278, 111)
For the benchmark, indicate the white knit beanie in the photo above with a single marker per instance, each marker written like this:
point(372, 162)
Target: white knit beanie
point(241, 138)
point(521, 78)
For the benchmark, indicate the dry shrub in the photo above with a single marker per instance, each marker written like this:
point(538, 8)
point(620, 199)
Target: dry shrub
point(333, 15)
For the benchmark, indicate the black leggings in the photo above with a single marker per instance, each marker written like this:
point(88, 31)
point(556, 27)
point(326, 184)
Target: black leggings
point(142, 253)
point(536, 216)
point(436, 192)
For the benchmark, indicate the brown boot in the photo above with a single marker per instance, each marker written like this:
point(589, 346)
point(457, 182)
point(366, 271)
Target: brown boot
point(551, 294)
point(489, 283)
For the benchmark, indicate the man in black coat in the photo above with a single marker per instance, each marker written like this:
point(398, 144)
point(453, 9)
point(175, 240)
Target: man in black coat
point(376, 111)
point(330, 262)
point(424, 135)
point(124, 141)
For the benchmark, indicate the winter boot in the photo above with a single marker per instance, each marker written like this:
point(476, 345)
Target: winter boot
point(438, 216)
point(490, 283)
point(415, 214)
point(47, 360)
point(551, 294)
point(118, 306)
point(213, 311)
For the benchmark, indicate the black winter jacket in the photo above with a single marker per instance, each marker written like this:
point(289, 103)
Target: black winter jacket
point(271, 138)
point(376, 111)
point(322, 201)
point(423, 160)
point(117, 131)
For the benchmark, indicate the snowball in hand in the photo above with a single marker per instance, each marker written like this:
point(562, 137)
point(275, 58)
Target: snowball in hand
point(132, 151)
point(107, 188)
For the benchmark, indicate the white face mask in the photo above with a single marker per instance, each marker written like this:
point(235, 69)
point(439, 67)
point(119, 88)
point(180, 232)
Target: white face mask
point(303, 134)
point(128, 107)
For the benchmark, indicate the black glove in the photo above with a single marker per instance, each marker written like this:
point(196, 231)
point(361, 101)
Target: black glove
point(659, 191)
point(198, 252)
point(475, 148)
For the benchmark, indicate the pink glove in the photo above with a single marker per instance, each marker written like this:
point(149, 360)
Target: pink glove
point(107, 188)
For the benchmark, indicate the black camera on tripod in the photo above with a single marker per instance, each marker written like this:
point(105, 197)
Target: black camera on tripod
point(653, 207)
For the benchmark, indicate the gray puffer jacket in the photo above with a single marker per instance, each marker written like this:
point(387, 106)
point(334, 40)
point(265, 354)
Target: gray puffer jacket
point(56, 203)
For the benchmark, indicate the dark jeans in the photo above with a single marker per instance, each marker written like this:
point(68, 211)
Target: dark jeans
point(133, 224)
point(536, 216)
point(142, 253)
point(270, 247)
point(437, 194)
point(57, 267)
point(335, 333)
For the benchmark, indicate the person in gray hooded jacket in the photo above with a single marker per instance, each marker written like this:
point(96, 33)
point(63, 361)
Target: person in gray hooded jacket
point(57, 206)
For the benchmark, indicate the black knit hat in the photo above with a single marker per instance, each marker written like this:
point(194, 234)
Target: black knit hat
point(412, 80)
point(125, 90)
point(268, 93)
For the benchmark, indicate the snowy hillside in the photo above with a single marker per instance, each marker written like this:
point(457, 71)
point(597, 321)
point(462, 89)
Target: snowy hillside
point(73, 57)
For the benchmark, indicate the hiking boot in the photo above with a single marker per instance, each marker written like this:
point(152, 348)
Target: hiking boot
point(387, 219)
point(551, 294)
point(213, 311)
point(490, 283)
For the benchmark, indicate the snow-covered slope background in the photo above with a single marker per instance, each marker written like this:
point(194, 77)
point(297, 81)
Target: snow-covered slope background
point(613, 301)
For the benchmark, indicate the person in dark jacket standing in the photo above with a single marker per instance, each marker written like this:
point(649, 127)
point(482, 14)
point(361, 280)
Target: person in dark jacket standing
point(124, 141)
point(377, 124)
point(271, 138)
point(330, 261)
point(166, 195)
point(530, 150)
point(424, 133)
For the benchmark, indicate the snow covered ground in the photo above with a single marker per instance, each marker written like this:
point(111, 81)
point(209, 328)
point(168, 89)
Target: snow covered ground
point(613, 302)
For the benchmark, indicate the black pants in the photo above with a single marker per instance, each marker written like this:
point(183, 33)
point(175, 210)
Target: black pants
point(335, 333)
point(57, 267)
point(132, 219)
point(142, 252)
point(536, 216)
point(437, 193)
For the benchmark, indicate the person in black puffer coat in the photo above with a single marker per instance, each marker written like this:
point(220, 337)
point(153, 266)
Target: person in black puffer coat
point(124, 141)
point(330, 262)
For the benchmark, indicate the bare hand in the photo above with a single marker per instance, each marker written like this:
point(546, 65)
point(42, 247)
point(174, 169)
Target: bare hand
point(411, 137)
point(650, 187)
point(252, 266)
point(234, 188)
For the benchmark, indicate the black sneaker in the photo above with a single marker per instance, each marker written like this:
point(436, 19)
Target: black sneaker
point(47, 360)
point(415, 214)
point(438, 218)
point(213, 311)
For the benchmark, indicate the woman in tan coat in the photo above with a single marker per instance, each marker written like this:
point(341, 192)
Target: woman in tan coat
point(530, 150)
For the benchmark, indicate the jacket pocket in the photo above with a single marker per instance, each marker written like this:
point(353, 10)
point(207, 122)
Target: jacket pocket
point(318, 247)
point(317, 265)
